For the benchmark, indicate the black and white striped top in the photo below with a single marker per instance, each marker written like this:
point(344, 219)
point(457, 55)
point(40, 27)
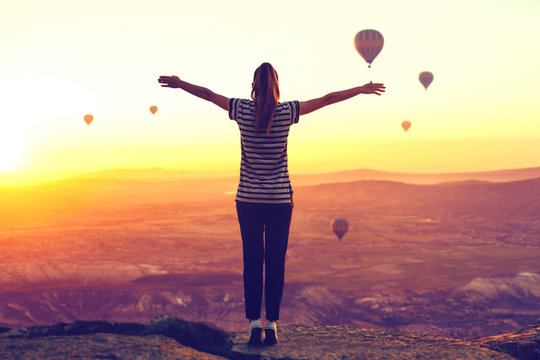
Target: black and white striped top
point(264, 176)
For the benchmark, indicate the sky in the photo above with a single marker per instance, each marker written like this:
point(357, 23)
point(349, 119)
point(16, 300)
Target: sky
point(63, 59)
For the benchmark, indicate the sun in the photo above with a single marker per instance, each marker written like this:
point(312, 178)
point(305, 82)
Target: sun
point(10, 153)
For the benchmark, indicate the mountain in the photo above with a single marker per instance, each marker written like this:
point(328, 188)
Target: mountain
point(170, 337)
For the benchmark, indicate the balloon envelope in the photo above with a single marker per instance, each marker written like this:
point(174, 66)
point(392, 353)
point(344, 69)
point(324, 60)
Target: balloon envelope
point(340, 227)
point(88, 118)
point(153, 109)
point(406, 125)
point(369, 44)
point(425, 78)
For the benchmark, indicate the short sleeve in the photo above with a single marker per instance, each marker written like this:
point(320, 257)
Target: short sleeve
point(234, 104)
point(295, 111)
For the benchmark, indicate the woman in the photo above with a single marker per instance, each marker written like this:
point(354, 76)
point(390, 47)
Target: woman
point(264, 198)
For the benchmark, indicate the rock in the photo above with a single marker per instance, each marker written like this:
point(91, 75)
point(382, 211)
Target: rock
point(194, 334)
point(165, 337)
point(76, 328)
point(523, 344)
point(168, 337)
point(99, 346)
point(343, 342)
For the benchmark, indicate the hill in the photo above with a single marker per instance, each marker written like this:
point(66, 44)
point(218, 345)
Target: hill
point(416, 178)
point(341, 176)
point(173, 338)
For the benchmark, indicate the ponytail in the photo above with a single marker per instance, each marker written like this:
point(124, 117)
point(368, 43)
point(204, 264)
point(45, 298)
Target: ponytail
point(265, 92)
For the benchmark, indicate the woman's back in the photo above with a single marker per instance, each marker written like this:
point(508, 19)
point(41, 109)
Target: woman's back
point(264, 176)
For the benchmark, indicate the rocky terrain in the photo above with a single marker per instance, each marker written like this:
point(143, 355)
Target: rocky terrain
point(173, 338)
point(482, 307)
point(522, 344)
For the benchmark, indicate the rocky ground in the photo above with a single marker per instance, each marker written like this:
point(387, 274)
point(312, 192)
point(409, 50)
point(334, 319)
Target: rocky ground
point(173, 338)
point(523, 344)
point(100, 346)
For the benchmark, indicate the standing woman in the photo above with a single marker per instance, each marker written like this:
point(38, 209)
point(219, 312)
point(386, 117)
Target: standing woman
point(264, 199)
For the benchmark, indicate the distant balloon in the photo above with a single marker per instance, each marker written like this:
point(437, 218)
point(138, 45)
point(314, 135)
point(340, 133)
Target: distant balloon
point(153, 109)
point(340, 227)
point(425, 78)
point(369, 44)
point(406, 125)
point(88, 118)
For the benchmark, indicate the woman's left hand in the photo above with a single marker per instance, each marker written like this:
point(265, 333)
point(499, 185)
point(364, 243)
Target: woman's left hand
point(371, 88)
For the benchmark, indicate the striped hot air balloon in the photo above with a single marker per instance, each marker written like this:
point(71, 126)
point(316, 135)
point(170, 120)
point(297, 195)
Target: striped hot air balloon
point(425, 78)
point(153, 109)
point(340, 227)
point(369, 44)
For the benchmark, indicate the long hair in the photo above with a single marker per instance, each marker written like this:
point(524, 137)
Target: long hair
point(265, 93)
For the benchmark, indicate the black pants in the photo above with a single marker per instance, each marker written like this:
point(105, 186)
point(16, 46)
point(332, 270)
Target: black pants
point(272, 221)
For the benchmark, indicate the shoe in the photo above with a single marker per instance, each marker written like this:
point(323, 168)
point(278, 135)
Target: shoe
point(270, 332)
point(254, 337)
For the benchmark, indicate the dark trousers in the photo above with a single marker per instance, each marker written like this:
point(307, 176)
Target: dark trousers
point(265, 234)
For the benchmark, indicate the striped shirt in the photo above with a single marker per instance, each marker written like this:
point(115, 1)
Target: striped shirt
point(264, 175)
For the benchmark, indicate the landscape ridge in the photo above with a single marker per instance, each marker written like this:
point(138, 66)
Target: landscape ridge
point(499, 175)
point(301, 179)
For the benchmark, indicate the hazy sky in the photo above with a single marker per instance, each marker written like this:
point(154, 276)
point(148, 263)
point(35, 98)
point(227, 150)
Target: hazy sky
point(63, 59)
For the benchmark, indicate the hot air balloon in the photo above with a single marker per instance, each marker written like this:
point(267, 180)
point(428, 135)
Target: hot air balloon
point(425, 78)
point(406, 125)
point(369, 44)
point(88, 118)
point(153, 109)
point(340, 227)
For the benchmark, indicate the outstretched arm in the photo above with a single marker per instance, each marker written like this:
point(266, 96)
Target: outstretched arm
point(199, 91)
point(311, 105)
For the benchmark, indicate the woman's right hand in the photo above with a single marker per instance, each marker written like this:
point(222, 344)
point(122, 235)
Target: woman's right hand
point(169, 81)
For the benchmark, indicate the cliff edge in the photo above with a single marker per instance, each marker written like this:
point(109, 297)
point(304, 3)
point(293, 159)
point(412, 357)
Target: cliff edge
point(168, 337)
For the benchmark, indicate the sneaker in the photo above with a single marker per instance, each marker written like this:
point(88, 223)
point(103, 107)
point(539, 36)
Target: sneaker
point(270, 332)
point(255, 332)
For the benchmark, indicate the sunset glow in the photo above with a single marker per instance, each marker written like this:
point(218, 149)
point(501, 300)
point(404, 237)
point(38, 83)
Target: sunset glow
point(63, 59)
point(136, 207)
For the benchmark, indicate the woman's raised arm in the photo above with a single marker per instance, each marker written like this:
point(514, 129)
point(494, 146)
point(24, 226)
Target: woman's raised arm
point(199, 91)
point(311, 105)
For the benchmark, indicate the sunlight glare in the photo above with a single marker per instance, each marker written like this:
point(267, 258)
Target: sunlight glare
point(10, 152)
